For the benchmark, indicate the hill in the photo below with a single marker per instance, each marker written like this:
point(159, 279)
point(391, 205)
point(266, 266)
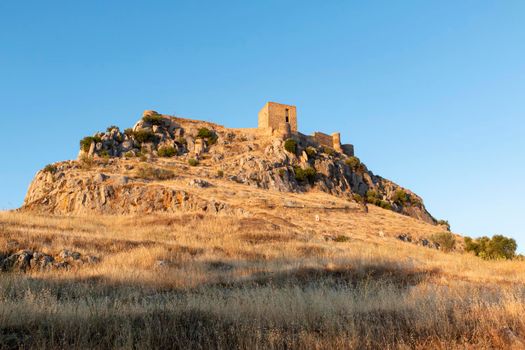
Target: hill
point(157, 165)
point(184, 234)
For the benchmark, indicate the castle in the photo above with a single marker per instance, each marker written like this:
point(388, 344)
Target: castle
point(280, 120)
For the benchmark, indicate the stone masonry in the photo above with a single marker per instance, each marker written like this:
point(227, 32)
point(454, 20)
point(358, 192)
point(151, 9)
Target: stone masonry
point(280, 120)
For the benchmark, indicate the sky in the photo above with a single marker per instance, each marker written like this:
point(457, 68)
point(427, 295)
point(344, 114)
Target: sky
point(431, 93)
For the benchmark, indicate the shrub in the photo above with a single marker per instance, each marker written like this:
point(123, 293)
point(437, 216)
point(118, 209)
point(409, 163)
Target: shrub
point(205, 133)
point(182, 141)
point(111, 127)
point(373, 196)
point(446, 240)
point(497, 247)
point(353, 162)
point(384, 204)
point(212, 140)
point(400, 197)
point(311, 151)
point(193, 162)
point(220, 173)
point(357, 197)
point(129, 154)
point(329, 151)
point(86, 162)
point(50, 168)
point(153, 119)
point(444, 223)
point(86, 142)
point(341, 239)
point(142, 136)
point(167, 151)
point(302, 175)
point(282, 172)
point(152, 173)
point(104, 154)
point(128, 132)
point(290, 145)
point(208, 135)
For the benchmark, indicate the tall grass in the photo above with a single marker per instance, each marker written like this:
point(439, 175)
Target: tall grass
point(230, 283)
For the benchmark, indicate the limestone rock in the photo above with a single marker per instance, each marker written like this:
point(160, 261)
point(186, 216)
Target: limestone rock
point(249, 158)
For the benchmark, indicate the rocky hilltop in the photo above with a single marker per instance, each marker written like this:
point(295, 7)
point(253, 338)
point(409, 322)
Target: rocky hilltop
point(165, 163)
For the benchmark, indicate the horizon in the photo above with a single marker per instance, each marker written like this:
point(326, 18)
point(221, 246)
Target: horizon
point(438, 110)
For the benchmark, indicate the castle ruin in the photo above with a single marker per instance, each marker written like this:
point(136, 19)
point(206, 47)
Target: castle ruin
point(280, 120)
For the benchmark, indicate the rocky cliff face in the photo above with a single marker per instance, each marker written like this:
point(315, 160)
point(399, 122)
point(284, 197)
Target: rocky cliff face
point(131, 171)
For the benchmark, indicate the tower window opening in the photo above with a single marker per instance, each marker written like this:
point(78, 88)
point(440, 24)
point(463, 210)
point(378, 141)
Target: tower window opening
point(286, 115)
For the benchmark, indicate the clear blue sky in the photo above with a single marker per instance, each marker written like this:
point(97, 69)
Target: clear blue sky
point(432, 93)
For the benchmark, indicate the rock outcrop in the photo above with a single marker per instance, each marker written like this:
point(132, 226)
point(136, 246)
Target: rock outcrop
point(28, 260)
point(100, 181)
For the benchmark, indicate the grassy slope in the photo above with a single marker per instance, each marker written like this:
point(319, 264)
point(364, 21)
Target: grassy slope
point(277, 279)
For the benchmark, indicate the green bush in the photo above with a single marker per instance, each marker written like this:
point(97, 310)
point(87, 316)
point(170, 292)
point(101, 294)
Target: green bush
point(446, 240)
point(142, 136)
point(357, 197)
point(497, 247)
point(153, 119)
point(167, 151)
point(282, 172)
point(307, 174)
point(129, 154)
point(50, 168)
point(152, 173)
point(311, 151)
point(193, 162)
point(205, 133)
point(290, 145)
point(384, 204)
point(86, 142)
point(208, 135)
point(400, 197)
point(128, 132)
point(182, 141)
point(111, 127)
point(373, 196)
point(220, 173)
point(329, 151)
point(353, 162)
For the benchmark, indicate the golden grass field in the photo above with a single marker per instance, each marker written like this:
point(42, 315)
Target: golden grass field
point(277, 279)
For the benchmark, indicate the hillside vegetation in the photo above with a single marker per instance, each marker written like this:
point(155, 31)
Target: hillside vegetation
point(190, 280)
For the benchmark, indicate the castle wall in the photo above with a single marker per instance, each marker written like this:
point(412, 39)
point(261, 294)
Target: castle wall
point(273, 115)
point(263, 117)
point(336, 142)
point(348, 150)
point(323, 139)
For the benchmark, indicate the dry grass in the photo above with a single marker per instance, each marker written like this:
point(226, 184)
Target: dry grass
point(274, 280)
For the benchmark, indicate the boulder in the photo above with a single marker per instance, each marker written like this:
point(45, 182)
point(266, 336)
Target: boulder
point(199, 183)
point(200, 146)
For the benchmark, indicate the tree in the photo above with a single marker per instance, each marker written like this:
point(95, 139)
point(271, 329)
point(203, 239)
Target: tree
point(497, 247)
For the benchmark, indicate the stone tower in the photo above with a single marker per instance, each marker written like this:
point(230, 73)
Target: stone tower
point(278, 116)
